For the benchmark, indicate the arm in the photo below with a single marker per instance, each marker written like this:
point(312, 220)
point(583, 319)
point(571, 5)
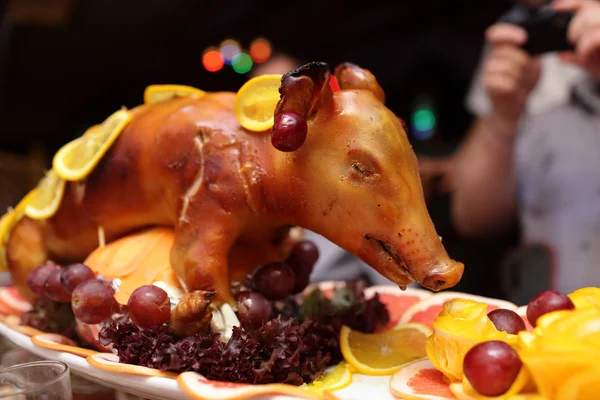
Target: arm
point(484, 199)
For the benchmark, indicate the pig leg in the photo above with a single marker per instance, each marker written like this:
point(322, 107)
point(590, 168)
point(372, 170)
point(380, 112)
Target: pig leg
point(200, 259)
point(26, 249)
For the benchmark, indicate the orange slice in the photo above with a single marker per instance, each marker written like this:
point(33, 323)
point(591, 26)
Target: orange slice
point(76, 160)
point(47, 197)
point(110, 362)
point(54, 341)
point(256, 101)
point(157, 93)
point(384, 353)
point(586, 297)
point(199, 388)
point(339, 378)
point(462, 324)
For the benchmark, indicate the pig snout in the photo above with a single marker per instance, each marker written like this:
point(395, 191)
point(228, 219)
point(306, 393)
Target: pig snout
point(444, 276)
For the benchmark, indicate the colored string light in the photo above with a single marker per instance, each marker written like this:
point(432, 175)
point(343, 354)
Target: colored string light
point(229, 48)
point(423, 124)
point(242, 63)
point(260, 50)
point(212, 60)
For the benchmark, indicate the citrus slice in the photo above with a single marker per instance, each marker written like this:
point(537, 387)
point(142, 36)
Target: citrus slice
point(383, 353)
point(54, 341)
point(427, 310)
point(197, 387)
point(586, 297)
point(76, 160)
point(7, 223)
point(337, 379)
point(10, 297)
point(461, 324)
point(256, 101)
point(396, 300)
point(420, 380)
point(157, 93)
point(47, 197)
point(110, 362)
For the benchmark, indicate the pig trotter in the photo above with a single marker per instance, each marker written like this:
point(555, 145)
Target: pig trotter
point(193, 314)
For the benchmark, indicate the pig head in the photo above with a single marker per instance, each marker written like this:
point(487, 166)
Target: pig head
point(355, 179)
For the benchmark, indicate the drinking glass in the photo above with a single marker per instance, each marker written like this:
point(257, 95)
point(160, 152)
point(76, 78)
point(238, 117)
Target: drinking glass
point(38, 380)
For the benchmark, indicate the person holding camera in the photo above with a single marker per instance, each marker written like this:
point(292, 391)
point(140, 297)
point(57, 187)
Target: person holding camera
point(535, 160)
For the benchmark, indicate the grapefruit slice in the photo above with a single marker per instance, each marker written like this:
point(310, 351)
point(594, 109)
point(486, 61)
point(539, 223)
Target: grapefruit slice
point(396, 300)
point(14, 323)
point(10, 297)
point(54, 341)
point(199, 388)
point(420, 380)
point(426, 311)
point(110, 362)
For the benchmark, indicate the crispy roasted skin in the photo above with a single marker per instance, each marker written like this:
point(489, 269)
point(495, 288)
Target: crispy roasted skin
point(232, 197)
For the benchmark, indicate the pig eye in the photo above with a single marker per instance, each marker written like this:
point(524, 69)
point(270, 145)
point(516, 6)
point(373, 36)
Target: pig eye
point(363, 167)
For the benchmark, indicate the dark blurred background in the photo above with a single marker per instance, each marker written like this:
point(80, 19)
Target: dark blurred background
point(68, 64)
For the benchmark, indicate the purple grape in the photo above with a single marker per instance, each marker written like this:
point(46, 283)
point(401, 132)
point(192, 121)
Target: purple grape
point(93, 301)
point(491, 367)
point(253, 309)
point(149, 306)
point(54, 290)
point(546, 302)
point(36, 280)
point(507, 321)
point(302, 259)
point(275, 281)
point(74, 275)
point(289, 131)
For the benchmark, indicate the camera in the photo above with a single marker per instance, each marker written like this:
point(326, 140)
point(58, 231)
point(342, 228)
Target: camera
point(546, 29)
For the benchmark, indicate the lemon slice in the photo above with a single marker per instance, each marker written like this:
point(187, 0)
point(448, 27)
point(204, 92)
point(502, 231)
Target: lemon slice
point(256, 101)
point(7, 223)
point(337, 379)
point(47, 197)
point(384, 353)
point(76, 160)
point(157, 93)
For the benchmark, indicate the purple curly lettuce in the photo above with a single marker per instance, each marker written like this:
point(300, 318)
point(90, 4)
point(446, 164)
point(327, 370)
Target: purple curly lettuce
point(282, 350)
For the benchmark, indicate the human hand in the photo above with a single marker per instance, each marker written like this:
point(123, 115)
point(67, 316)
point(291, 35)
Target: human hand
point(584, 33)
point(509, 73)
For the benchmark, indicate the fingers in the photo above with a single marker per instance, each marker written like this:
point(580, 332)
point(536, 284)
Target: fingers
point(583, 32)
point(506, 70)
point(499, 34)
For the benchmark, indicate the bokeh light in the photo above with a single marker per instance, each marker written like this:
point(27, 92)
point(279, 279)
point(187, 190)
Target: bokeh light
point(260, 50)
point(212, 60)
point(229, 48)
point(423, 124)
point(242, 63)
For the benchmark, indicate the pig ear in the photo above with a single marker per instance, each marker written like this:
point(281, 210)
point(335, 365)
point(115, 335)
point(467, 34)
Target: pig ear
point(350, 76)
point(305, 90)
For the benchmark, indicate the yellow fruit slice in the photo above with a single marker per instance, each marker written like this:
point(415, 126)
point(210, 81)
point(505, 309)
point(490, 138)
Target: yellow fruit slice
point(7, 223)
point(76, 160)
point(47, 197)
point(157, 93)
point(339, 378)
point(462, 324)
point(586, 297)
point(384, 353)
point(256, 101)
point(581, 386)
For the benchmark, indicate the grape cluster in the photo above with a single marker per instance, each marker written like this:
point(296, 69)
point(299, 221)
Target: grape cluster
point(492, 367)
point(276, 281)
point(92, 300)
